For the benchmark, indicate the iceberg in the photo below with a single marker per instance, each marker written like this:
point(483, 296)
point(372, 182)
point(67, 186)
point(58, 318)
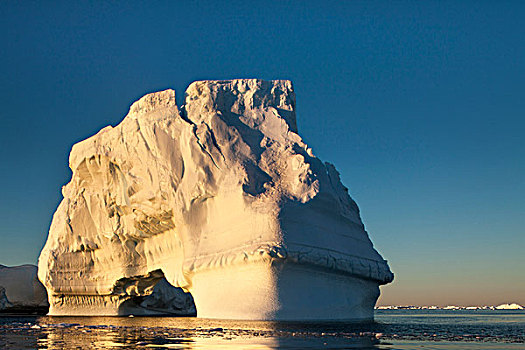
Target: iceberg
point(512, 306)
point(217, 207)
point(21, 291)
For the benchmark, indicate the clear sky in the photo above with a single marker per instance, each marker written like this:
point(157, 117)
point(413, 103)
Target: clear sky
point(420, 105)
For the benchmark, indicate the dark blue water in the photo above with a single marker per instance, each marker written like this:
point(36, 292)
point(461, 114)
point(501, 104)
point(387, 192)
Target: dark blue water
point(392, 329)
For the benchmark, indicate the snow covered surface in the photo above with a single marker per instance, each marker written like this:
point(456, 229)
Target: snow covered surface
point(20, 289)
point(220, 198)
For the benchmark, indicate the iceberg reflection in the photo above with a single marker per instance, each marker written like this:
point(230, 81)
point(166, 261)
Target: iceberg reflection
point(184, 333)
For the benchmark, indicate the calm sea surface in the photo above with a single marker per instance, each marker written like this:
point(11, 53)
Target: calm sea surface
point(392, 329)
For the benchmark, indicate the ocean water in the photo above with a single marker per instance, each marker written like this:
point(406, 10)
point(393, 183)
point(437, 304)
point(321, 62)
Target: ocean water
point(392, 329)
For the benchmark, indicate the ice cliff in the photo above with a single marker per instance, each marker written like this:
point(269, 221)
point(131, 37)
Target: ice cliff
point(221, 199)
point(21, 291)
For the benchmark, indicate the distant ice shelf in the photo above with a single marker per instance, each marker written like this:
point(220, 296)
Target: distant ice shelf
point(512, 306)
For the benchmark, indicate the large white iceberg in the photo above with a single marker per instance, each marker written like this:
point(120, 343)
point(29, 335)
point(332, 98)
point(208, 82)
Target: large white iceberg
point(221, 199)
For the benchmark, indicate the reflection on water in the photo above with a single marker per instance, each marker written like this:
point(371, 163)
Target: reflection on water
point(180, 333)
point(392, 330)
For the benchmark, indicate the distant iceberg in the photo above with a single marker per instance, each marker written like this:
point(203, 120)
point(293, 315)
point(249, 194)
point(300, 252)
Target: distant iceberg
point(451, 307)
point(222, 203)
point(21, 291)
point(512, 306)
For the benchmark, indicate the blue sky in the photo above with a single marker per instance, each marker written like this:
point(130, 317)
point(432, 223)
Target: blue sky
point(419, 104)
